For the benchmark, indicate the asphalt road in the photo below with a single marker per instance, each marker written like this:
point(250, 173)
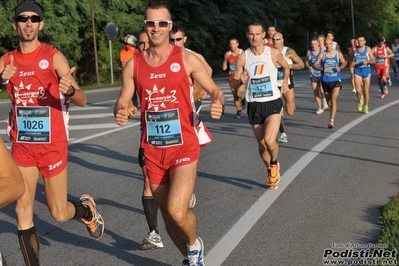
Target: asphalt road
point(334, 182)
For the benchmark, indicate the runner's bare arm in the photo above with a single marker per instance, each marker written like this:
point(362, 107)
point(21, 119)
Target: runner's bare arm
point(121, 111)
point(225, 62)
point(307, 63)
point(317, 62)
point(196, 70)
point(298, 63)
point(342, 61)
point(67, 84)
point(239, 76)
point(371, 56)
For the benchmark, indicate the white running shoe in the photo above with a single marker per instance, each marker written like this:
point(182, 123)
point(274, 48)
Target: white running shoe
point(153, 241)
point(196, 257)
point(283, 138)
point(319, 111)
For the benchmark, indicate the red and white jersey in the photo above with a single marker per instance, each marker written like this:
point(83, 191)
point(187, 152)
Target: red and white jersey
point(39, 112)
point(379, 52)
point(232, 59)
point(166, 96)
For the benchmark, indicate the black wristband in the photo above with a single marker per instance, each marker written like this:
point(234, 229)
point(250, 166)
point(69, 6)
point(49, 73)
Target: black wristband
point(71, 92)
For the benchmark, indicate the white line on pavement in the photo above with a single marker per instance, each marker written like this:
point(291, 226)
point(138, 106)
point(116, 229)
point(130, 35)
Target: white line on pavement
point(218, 254)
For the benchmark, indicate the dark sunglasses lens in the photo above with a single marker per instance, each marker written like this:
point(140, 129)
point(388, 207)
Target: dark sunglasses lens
point(175, 40)
point(150, 23)
point(35, 19)
point(24, 18)
point(163, 24)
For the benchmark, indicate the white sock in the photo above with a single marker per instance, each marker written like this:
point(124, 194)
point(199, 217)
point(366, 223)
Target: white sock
point(196, 246)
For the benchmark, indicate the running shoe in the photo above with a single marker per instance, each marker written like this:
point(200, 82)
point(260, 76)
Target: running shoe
point(153, 241)
point(366, 109)
point(386, 91)
point(283, 138)
point(192, 202)
point(196, 257)
point(360, 106)
point(330, 124)
point(243, 104)
point(239, 113)
point(319, 111)
point(274, 176)
point(390, 82)
point(354, 90)
point(95, 227)
point(382, 96)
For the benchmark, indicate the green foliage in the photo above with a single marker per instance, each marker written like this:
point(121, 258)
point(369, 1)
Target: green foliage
point(390, 221)
point(208, 24)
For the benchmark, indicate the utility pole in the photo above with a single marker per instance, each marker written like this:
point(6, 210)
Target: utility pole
point(94, 41)
point(353, 21)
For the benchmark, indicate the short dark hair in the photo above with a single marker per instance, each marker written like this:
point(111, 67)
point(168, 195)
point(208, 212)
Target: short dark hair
point(331, 32)
point(314, 39)
point(176, 28)
point(157, 4)
point(256, 23)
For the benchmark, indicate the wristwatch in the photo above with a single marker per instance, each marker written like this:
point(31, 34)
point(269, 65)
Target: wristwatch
point(71, 92)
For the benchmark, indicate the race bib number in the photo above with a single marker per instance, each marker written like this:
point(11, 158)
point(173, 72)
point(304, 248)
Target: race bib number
point(359, 61)
point(33, 124)
point(232, 67)
point(331, 69)
point(316, 73)
point(261, 87)
point(163, 128)
point(379, 60)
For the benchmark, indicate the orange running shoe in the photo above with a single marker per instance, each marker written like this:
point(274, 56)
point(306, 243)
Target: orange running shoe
point(274, 176)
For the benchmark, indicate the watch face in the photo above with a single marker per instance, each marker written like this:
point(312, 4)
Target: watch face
point(71, 92)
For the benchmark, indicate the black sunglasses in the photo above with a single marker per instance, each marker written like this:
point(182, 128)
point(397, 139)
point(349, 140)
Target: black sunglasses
point(175, 40)
point(24, 18)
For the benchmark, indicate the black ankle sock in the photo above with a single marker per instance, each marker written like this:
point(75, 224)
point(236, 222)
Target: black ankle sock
point(273, 162)
point(81, 211)
point(30, 247)
point(151, 212)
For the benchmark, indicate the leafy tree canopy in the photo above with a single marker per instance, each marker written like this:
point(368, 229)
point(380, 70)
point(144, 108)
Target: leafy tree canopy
point(208, 25)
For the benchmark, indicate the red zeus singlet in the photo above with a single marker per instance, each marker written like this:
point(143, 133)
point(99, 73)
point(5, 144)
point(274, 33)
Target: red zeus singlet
point(39, 112)
point(166, 96)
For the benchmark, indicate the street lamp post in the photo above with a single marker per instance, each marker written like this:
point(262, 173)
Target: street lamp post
point(94, 41)
point(353, 20)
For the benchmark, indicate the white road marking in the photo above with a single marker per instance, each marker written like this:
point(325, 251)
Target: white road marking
point(218, 254)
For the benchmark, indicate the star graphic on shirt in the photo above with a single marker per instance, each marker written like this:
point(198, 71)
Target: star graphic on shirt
point(157, 98)
point(24, 97)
